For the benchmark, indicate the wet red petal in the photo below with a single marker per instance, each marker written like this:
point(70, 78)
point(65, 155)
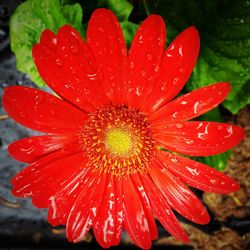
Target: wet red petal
point(32, 148)
point(41, 111)
point(35, 178)
point(163, 211)
point(177, 194)
point(178, 63)
point(145, 56)
point(135, 220)
point(193, 104)
point(85, 208)
point(198, 138)
point(107, 227)
point(105, 39)
point(64, 199)
point(67, 66)
point(198, 175)
point(146, 206)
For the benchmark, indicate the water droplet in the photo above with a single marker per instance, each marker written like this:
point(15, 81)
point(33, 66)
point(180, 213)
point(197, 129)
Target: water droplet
point(157, 68)
point(179, 125)
point(149, 57)
point(143, 73)
point(188, 141)
point(59, 62)
point(132, 64)
point(140, 39)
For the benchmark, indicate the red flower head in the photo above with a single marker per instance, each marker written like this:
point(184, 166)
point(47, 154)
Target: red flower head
point(101, 164)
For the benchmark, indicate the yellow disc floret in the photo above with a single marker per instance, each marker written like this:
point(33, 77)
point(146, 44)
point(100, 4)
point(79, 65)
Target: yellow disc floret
point(118, 142)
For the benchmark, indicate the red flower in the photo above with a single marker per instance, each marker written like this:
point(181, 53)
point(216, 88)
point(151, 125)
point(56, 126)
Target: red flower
point(100, 164)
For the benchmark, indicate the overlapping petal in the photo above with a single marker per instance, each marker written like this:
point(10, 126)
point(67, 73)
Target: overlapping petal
point(145, 57)
point(177, 65)
point(193, 104)
point(177, 194)
point(41, 111)
point(198, 138)
point(32, 148)
point(146, 205)
point(198, 175)
point(163, 211)
point(47, 174)
point(106, 41)
point(108, 224)
point(85, 208)
point(66, 64)
point(64, 199)
point(135, 218)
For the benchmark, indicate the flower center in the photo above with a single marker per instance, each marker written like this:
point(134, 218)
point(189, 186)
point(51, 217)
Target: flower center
point(117, 140)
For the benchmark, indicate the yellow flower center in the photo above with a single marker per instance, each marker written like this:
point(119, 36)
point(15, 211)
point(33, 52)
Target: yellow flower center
point(117, 140)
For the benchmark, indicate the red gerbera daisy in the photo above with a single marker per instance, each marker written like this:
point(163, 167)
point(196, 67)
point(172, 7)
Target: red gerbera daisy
point(100, 164)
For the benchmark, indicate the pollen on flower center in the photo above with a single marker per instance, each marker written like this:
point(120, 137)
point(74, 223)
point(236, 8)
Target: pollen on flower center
point(117, 140)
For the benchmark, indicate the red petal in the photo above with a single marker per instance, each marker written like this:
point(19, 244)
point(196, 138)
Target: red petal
point(105, 39)
point(49, 39)
point(179, 197)
point(135, 220)
point(37, 177)
point(193, 104)
point(163, 211)
point(178, 63)
point(145, 57)
point(107, 228)
point(198, 138)
point(85, 208)
point(41, 111)
point(64, 199)
point(198, 175)
point(146, 206)
point(31, 148)
point(67, 66)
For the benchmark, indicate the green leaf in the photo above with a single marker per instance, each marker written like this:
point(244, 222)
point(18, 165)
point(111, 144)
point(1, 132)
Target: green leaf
point(27, 24)
point(129, 29)
point(225, 42)
point(121, 8)
point(218, 162)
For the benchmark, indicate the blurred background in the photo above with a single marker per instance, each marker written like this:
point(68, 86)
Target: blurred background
point(224, 27)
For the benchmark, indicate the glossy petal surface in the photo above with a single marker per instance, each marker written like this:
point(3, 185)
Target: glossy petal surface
point(193, 104)
point(32, 148)
point(85, 208)
point(41, 111)
point(146, 205)
point(198, 175)
point(64, 199)
point(135, 219)
point(66, 64)
point(177, 194)
point(47, 174)
point(163, 211)
point(145, 56)
point(177, 65)
point(105, 39)
point(107, 226)
point(198, 138)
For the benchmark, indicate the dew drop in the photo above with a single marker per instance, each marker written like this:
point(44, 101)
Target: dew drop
point(179, 125)
point(143, 73)
point(59, 62)
point(149, 57)
point(157, 68)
